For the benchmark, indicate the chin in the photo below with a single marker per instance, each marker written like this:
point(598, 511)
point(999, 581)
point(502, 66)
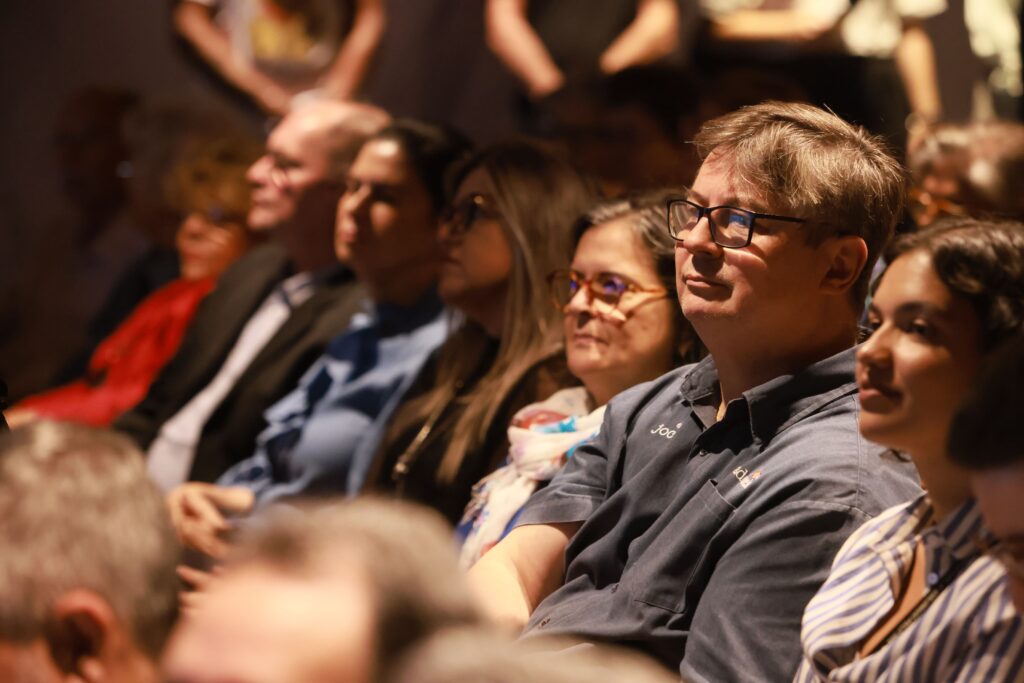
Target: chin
point(886, 430)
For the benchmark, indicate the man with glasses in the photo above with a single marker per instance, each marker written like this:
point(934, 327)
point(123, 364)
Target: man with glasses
point(273, 311)
point(707, 511)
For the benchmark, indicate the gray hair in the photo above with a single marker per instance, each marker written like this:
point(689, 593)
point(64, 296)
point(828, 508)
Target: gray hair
point(404, 551)
point(79, 512)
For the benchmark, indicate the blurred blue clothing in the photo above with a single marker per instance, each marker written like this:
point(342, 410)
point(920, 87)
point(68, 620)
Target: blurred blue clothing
point(321, 437)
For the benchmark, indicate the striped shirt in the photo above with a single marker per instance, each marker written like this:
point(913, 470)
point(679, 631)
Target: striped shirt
point(971, 632)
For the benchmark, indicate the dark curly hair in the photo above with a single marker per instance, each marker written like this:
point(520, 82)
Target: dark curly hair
point(985, 431)
point(982, 261)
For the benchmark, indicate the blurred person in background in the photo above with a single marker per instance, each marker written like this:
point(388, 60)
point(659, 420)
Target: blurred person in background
point(71, 268)
point(210, 188)
point(323, 593)
point(910, 594)
point(984, 439)
point(622, 327)
point(319, 435)
point(546, 44)
point(630, 130)
point(968, 169)
point(869, 61)
point(273, 312)
point(87, 589)
point(276, 51)
point(508, 227)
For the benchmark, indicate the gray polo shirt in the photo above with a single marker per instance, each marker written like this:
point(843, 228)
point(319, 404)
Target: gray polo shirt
point(703, 541)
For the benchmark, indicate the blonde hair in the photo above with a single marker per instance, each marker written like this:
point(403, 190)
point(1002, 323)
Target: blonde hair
point(538, 196)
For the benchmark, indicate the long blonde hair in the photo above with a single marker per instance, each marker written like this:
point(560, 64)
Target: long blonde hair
point(538, 196)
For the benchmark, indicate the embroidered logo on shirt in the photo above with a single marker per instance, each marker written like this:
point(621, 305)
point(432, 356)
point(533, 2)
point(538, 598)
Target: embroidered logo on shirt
point(662, 430)
point(745, 476)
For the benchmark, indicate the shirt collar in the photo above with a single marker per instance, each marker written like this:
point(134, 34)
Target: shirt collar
point(395, 319)
point(958, 530)
point(780, 402)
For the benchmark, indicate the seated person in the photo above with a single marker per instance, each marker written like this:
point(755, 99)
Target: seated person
point(323, 593)
point(910, 591)
point(622, 327)
point(508, 228)
point(273, 311)
point(968, 169)
point(984, 438)
point(210, 186)
point(707, 510)
point(387, 232)
point(87, 588)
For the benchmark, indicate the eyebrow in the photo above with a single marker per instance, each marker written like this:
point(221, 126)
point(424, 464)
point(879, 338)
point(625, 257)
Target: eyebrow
point(731, 201)
point(913, 308)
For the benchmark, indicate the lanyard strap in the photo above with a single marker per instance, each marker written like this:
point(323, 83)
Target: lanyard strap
point(926, 601)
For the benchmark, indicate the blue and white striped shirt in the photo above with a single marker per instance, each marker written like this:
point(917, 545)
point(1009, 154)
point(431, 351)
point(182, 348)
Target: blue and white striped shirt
point(970, 633)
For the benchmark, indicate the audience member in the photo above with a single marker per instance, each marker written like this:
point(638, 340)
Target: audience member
point(871, 61)
point(622, 327)
point(209, 185)
point(330, 593)
point(67, 272)
point(984, 438)
point(910, 591)
point(475, 656)
point(87, 588)
point(277, 50)
point(705, 513)
point(631, 130)
point(973, 169)
point(387, 231)
point(159, 134)
point(541, 43)
point(508, 228)
point(273, 311)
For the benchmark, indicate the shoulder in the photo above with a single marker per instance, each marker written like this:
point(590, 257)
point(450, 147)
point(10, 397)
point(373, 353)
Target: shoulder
point(824, 458)
point(654, 395)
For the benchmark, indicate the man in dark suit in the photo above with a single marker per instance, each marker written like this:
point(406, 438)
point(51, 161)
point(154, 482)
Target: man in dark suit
point(272, 313)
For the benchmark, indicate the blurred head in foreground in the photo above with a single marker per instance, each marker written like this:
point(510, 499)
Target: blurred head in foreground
point(323, 593)
point(479, 656)
point(87, 584)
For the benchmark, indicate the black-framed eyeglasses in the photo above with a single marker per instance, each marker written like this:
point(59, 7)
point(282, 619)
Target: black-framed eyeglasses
point(731, 227)
point(1002, 551)
point(607, 288)
point(460, 218)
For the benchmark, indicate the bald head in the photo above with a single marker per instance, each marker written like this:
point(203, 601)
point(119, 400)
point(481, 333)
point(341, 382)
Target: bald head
point(341, 128)
point(297, 183)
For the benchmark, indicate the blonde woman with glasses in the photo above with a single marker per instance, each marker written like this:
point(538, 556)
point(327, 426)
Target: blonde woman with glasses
point(508, 227)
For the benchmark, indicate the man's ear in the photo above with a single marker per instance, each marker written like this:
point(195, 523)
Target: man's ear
point(847, 255)
point(79, 633)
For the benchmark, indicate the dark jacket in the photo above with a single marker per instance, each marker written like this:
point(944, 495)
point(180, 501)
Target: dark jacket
point(230, 433)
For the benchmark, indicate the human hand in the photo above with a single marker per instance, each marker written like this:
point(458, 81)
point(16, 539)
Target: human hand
point(198, 511)
point(19, 417)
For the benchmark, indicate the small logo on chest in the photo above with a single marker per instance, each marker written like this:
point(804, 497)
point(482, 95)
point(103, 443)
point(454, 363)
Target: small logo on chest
point(667, 432)
point(745, 476)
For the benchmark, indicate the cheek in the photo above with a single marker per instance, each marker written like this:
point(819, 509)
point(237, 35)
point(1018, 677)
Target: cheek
point(486, 262)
